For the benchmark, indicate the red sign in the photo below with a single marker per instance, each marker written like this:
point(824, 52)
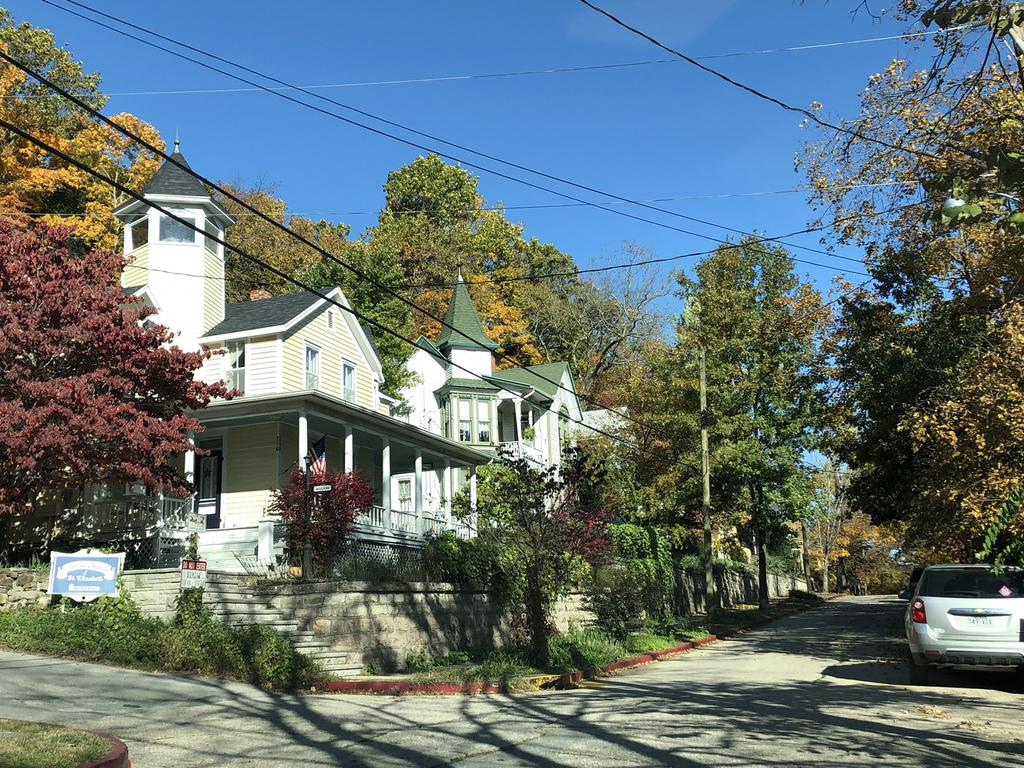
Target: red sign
point(193, 574)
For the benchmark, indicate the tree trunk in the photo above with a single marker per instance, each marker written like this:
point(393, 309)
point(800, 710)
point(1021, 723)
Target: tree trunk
point(536, 618)
point(762, 572)
point(824, 573)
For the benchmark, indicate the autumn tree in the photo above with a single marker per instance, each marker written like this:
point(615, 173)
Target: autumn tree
point(932, 444)
point(828, 515)
point(89, 391)
point(36, 185)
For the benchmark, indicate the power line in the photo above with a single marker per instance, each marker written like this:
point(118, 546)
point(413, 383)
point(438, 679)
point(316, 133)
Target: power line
point(761, 94)
point(270, 268)
point(400, 126)
point(202, 179)
point(543, 71)
point(536, 206)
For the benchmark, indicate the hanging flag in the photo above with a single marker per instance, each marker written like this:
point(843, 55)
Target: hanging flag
point(319, 454)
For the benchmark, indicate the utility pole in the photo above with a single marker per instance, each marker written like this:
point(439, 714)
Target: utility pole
point(710, 596)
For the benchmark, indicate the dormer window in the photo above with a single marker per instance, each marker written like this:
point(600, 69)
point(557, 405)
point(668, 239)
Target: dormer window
point(174, 231)
point(236, 365)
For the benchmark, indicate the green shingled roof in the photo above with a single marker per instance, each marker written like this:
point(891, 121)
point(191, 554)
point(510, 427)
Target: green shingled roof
point(463, 317)
point(543, 378)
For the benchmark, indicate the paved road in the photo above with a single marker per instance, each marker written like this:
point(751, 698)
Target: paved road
point(820, 689)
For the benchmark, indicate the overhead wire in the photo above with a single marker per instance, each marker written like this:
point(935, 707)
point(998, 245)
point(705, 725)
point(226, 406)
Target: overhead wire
point(199, 177)
point(392, 123)
point(810, 115)
point(189, 223)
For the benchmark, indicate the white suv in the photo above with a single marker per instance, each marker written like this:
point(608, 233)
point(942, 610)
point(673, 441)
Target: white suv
point(965, 616)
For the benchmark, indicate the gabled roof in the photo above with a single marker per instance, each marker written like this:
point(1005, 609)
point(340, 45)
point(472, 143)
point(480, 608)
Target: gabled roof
point(463, 317)
point(267, 313)
point(172, 180)
point(544, 378)
point(475, 385)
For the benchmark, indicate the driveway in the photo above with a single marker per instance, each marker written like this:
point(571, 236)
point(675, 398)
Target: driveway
point(823, 688)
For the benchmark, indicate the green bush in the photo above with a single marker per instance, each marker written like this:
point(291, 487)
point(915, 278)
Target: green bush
point(113, 630)
point(586, 649)
point(418, 661)
point(480, 563)
point(615, 596)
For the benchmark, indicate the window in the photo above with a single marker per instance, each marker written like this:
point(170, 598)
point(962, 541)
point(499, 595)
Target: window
point(446, 419)
point(173, 231)
point(236, 365)
point(348, 382)
point(211, 233)
point(524, 424)
point(140, 233)
point(405, 495)
point(312, 367)
point(465, 420)
point(208, 467)
point(483, 421)
point(972, 582)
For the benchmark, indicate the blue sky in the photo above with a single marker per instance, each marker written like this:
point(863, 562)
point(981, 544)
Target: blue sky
point(642, 132)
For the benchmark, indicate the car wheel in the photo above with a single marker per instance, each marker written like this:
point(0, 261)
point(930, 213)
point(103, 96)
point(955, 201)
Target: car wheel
point(920, 674)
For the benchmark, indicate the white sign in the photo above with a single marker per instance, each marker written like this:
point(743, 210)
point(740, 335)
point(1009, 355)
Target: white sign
point(322, 488)
point(195, 522)
point(193, 574)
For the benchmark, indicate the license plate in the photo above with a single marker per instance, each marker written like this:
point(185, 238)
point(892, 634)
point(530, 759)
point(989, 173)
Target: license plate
point(979, 621)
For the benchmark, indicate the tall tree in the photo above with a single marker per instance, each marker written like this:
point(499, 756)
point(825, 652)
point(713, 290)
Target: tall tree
point(89, 392)
point(829, 513)
point(761, 328)
point(911, 351)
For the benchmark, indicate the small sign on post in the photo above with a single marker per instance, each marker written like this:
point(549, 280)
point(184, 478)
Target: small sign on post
point(85, 575)
point(193, 574)
point(324, 488)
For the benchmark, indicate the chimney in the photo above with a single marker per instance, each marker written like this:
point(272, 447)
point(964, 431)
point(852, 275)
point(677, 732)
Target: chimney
point(260, 292)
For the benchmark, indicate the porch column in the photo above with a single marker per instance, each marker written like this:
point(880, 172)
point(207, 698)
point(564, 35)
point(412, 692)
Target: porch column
point(418, 491)
point(518, 404)
point(385, 477)
point(303, 440)
point(472, 485)
point(349, 450)
point(190, 466)
point(446, 489)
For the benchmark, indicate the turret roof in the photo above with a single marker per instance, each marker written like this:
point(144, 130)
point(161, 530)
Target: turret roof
point(464, 319)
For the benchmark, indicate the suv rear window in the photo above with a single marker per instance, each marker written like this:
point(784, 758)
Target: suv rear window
point(972, 582)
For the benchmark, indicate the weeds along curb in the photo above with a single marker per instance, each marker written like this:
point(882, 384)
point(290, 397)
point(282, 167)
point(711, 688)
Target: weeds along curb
point(117, 757)
point(570, 680)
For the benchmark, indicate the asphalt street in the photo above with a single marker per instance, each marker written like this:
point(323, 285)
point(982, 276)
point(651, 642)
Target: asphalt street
point(823, 688)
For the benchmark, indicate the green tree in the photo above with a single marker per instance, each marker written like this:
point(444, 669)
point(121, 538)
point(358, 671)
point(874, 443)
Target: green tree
point(761, 328)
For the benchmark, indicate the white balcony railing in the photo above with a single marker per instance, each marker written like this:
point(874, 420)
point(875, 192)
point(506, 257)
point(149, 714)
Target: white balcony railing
point(519, 450)
point(407, 525)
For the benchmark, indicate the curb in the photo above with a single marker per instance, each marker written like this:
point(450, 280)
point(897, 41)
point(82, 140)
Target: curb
point(569, 680)
point(117, 757)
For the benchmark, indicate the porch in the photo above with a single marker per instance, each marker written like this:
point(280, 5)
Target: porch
point(254, 444)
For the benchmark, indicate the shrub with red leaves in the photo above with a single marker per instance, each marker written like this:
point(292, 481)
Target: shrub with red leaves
point(332, 513)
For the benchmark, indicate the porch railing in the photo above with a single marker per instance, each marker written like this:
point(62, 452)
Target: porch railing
point(406, 525)
point(518, 450)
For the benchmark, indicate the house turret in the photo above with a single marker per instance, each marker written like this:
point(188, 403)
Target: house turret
point(180, 270)
point(468, 346)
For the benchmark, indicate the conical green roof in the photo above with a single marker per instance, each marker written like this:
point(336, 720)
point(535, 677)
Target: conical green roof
point(462, 316)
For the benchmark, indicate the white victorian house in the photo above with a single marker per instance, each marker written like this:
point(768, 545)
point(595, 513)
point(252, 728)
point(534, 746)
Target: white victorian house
point(461, 396)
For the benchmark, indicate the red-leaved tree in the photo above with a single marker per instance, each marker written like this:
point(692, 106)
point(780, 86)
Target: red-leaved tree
point(332, 514)
point(88, 391)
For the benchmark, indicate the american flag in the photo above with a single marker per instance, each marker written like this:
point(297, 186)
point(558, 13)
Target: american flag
point(319, 457)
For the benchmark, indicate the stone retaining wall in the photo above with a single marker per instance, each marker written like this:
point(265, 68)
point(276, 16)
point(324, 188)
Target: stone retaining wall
point(23, 586)
point(348, 625)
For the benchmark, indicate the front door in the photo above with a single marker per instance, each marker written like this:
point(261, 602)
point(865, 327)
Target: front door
point(209, 488)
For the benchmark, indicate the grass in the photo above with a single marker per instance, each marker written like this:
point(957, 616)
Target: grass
point(38, 745)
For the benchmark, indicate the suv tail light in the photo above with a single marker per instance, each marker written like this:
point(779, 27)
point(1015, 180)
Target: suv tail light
point(917, 613)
